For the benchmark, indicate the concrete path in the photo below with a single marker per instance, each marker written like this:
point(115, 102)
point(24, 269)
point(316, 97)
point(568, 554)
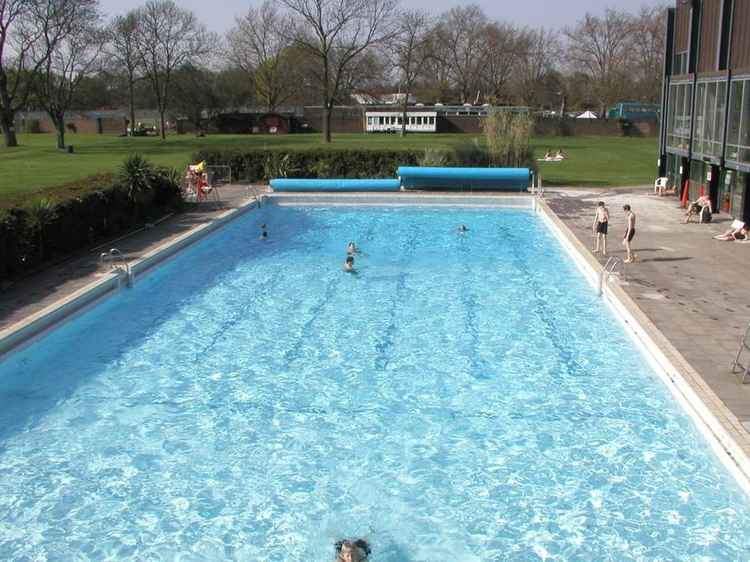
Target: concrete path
point(696, 290)
point(30, 295)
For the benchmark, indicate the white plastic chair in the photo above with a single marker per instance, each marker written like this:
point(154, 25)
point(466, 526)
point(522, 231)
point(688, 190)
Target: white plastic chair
point(660, 185)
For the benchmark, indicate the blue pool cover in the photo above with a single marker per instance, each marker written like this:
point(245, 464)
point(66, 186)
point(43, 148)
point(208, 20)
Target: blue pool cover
point(507, 179)
point(335, 185)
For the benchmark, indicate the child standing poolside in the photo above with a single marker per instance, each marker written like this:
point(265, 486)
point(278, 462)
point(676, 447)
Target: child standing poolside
point(600, 226)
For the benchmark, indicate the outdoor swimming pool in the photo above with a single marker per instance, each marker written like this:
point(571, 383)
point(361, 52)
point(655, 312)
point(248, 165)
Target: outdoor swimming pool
point(462, 398)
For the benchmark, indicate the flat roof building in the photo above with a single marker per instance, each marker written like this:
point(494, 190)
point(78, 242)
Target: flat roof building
point(704, 141)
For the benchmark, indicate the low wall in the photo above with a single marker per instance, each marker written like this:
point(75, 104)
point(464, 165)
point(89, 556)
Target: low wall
point(594, 127)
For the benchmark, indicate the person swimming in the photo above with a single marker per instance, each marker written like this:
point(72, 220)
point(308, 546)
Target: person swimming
point(351, 248)
point(349, 264)
point(462, 229)
point(263, 232)
point(352, 551)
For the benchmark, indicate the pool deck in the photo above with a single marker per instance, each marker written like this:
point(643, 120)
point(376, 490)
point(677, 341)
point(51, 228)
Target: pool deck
point(694, 289)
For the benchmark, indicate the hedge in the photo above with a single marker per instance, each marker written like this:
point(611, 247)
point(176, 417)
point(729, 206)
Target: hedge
point(61, 224)
point(262, 165)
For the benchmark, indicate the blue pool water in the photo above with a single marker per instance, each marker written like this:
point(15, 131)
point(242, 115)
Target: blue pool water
point(462, 398)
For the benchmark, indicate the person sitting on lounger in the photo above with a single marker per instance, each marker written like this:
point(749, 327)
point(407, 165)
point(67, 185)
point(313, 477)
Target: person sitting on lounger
point(737, 232)
point(702, 208)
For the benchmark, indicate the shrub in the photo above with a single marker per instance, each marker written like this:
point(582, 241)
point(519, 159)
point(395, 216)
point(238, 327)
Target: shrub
point(508, 135)
point(434, 157)
point(77, 215)
point(261, 165)
point(471, 154)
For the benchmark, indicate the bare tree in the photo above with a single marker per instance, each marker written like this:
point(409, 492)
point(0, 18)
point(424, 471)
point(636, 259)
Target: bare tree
point(500, 53)
point(647, 39)
point(72, 37)
point(22, 55)
point(598, 47)
point(168, 38)
point(122, 50)
point(461, 31)
point(336, 33)
point(260, 44)
point(411, 49)
point(538, 53)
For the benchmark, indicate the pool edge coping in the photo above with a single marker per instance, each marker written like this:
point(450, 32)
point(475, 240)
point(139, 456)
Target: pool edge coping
point(722, 429)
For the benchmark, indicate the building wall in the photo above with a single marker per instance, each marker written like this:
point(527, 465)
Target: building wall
point(682, 28)
point(740, 59)
point(710, 33)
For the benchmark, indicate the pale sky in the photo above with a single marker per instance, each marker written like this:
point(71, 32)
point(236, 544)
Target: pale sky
point(219, 15)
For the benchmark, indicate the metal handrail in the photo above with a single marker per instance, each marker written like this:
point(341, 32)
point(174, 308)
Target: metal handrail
point(608, 270)
point(112, 258)
point(744, 346)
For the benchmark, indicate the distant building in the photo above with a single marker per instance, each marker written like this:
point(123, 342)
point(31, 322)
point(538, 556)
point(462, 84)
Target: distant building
point(704, 143)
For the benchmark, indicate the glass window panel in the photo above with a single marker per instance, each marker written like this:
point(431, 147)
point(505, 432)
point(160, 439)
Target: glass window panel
point(721, 106)
point(700, 118)
point(735, 111)
point(744, 152)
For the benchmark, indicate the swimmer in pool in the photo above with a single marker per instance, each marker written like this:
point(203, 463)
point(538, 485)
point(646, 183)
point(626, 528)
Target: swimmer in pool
point(462, 229)
point(263, 232)
point(352, 249)
point(352, 551)
point(349, 264)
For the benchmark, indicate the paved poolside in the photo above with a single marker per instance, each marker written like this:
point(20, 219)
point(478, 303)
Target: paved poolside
point(696, 290)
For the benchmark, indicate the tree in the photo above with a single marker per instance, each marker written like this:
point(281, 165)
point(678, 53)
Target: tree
point(499, 54)
point(71, 36)
point(411, 49)
point(122, 50)
point(260, 45)
point(21, 56)
point(538, 51)
point(195, 93)
point(336, 33)
point(461, 31)
point(598, 47)
point(649, 31)
point(168, 37)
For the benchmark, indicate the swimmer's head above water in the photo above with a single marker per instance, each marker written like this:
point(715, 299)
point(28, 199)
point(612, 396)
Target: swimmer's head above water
point(352, 551)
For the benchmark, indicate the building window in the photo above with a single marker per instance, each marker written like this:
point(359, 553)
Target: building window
point(369, 120)
point(710, 107)
point(738, 132)
point(679, 115)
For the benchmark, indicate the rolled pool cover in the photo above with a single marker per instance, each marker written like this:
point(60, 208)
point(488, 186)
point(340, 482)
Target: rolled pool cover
point(335, 185)
point(504, 179)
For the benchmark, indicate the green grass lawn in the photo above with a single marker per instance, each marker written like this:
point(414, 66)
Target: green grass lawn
point(30, 169)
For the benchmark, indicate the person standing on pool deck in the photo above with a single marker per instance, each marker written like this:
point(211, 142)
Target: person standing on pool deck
point(601, 223)
point(629, 233)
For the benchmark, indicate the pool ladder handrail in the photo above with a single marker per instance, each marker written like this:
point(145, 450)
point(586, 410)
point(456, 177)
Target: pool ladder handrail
point(255, 194)
point(744, 346)
point(608, 270)
point(117, 262)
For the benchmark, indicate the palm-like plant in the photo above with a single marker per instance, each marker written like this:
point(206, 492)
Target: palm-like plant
point(41, 213)
point(136, 175)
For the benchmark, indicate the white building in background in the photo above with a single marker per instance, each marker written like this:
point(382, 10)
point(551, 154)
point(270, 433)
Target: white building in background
point(392, 121)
